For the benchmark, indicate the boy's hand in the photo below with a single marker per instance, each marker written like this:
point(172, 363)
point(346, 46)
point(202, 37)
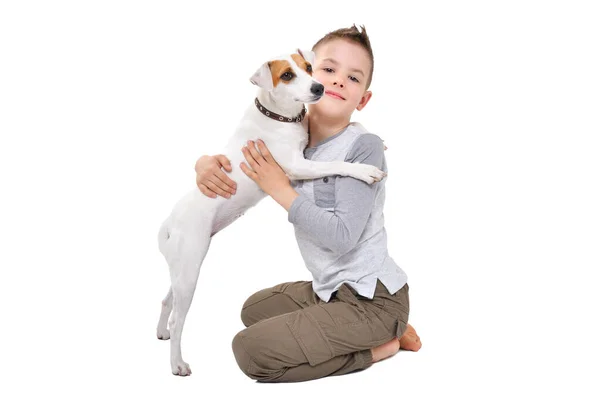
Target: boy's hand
point(210, 178)
point(264, 170)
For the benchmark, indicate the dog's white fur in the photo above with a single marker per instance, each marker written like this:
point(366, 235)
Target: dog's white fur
point(185, 236)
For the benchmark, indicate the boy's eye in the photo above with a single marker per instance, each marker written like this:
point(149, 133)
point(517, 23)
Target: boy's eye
point(287, 76)
point(328, 70)
point(353, 78)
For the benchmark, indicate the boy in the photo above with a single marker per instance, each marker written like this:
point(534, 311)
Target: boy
point(355, 311)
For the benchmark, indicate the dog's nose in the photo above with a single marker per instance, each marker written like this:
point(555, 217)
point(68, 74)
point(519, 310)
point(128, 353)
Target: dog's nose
point(317, 89)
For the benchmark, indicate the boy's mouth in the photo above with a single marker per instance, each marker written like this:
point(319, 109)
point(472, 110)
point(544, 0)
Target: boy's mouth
point(333, 94)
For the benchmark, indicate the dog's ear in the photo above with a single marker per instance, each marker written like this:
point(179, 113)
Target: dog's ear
point(308, 55)
point(262, 77)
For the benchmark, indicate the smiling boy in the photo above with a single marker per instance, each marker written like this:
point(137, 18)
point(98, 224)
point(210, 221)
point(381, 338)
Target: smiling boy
point(355, 310)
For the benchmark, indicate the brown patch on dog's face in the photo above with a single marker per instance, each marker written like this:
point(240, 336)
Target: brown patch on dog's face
point(281, 71)
point(302, 63)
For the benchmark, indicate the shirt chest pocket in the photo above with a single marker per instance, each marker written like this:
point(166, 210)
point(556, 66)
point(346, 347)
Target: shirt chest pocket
point(324, 189)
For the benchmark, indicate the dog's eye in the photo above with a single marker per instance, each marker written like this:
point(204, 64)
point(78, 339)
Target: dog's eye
point(309, 68)
point(288, 76)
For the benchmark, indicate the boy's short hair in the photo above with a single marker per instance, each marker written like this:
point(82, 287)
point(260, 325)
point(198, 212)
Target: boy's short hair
point(354, 35)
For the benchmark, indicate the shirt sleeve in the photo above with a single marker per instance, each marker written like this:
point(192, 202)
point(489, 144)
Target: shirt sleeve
point(340, 230)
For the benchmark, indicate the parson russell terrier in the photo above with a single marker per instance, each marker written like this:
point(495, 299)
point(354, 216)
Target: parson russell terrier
point(285, 84)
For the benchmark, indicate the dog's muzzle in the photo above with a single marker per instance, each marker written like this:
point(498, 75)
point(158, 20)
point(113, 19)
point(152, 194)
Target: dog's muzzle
point(317, 89)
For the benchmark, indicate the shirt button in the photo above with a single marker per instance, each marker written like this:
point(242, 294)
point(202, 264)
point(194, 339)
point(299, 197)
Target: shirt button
point(325, 179)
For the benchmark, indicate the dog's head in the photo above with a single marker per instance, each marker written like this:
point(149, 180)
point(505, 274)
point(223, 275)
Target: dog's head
point(290, 76)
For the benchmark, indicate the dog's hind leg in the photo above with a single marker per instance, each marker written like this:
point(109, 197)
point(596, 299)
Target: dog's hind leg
point(167, 305)
point(192, 249)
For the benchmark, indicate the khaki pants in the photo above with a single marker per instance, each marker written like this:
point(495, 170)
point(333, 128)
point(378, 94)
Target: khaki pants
point(292, 335)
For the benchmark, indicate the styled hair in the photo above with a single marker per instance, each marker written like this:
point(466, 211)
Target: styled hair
point(354, 35)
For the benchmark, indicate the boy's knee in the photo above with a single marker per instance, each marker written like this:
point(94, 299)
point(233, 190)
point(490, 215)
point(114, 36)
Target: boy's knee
point(248, 315)
point(242, 357)
point(245, 352)
point(251, 310)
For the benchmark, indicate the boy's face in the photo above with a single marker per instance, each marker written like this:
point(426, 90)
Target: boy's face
point(343, 68)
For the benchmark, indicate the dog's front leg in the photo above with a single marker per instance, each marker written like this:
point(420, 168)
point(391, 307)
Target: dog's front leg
point(299, 168)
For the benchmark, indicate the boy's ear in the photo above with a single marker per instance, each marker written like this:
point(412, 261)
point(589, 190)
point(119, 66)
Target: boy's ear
point(262, 77)
point(308, 55)
point(364, 100)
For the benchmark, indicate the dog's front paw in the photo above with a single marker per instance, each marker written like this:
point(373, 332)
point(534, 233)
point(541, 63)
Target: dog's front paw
point(368, 173)
point(163, 333)
point(181, 368)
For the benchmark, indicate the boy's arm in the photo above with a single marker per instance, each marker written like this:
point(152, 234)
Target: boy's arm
point(341, 229)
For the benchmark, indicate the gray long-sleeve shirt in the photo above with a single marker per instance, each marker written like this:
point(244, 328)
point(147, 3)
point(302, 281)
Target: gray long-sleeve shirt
point(339, 223)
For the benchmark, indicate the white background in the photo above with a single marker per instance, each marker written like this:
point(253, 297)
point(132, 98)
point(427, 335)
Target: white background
point(490, 111)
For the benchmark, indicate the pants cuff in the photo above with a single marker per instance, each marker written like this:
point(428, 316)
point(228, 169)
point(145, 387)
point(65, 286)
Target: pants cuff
point(365, 358)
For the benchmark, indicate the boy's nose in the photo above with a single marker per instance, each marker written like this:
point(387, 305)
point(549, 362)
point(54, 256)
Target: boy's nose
point(340, 84)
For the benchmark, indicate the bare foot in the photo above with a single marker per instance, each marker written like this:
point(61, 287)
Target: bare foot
point(410, 340)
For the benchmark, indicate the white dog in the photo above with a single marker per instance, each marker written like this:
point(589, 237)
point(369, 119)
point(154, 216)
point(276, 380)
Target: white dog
point(285, 85)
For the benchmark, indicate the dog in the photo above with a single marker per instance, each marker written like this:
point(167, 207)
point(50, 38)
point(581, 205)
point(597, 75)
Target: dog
point(285, 85)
